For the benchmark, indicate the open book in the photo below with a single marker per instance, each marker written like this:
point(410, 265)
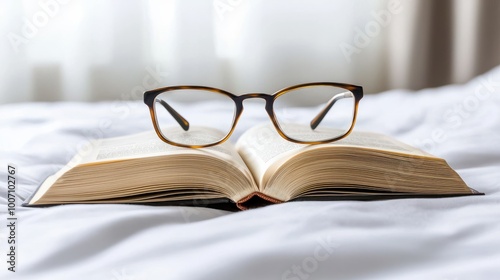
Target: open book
point(261, 169)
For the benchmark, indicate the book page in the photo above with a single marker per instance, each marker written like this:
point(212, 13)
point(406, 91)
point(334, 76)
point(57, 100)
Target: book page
point(145, 145)
point(149, 144)
point(262, 147)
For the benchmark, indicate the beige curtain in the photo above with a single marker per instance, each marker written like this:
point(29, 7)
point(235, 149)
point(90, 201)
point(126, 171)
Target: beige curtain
point(442, 42)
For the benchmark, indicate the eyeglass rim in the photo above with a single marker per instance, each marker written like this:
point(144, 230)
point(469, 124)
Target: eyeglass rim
point(150, 96)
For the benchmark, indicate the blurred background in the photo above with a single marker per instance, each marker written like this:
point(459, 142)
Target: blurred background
point(71, 50)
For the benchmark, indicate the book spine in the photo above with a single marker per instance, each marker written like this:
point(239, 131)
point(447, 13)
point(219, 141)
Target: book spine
point(256, 199)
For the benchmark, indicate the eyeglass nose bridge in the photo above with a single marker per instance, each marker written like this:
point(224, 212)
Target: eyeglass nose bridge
point(264, 96)
point(267, 97)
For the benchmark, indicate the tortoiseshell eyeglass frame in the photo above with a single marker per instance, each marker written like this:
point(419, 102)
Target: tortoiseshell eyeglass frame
point(150, 97)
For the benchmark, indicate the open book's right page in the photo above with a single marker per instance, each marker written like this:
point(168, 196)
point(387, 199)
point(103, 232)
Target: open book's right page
point(264, 150)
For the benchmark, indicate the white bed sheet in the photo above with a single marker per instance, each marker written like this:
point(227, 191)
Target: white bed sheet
point(452, 238)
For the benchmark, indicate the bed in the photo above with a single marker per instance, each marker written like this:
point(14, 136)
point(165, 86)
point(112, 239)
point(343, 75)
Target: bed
point(448, 239)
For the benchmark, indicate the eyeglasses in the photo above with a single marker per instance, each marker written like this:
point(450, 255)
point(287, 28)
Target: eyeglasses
point(331, 117)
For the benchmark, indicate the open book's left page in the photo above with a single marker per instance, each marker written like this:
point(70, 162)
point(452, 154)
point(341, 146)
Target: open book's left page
point(142, 168)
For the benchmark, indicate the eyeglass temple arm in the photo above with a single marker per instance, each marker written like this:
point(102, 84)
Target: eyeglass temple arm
point(182, 121)
point(317, 120)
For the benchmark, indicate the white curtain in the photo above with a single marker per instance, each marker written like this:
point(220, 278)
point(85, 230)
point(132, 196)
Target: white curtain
point(91, 50)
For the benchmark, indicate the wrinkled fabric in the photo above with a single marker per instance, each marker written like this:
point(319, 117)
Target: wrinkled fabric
point(450, 238)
